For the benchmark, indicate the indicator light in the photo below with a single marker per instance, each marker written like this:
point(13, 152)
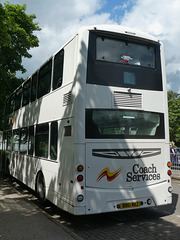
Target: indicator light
point(169, 164)
point(80, 168)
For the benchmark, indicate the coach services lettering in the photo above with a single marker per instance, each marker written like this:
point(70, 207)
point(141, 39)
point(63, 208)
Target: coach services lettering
point(140, 173)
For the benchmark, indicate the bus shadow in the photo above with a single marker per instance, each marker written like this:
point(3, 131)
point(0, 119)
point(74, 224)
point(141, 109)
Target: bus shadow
point(168, 209)
point(150, 223)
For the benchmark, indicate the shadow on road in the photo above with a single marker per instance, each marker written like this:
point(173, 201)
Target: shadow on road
point(155, 223)
point(167, 209)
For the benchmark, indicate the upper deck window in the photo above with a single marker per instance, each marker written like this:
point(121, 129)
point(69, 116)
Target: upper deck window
point(58, 69)
point(44, 84)
point(123, 61)
point(34, 86)
point(10, 103)
point(26, 92)
point(124, 52)
point(18, 96)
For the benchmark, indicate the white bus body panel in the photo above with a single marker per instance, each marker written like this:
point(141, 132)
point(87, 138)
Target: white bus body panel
point(130, 178)
point(130, 175)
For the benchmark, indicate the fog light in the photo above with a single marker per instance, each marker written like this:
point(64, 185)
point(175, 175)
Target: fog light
point(80, 198)
point(170, 189)
point(149, 201)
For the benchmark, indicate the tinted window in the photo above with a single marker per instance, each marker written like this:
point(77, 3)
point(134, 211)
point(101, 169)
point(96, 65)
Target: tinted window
point(8, 140)
point(31, 141)
point(10, 104)
point(124, 62)
point(124, 124)
point(44, 82)
point(58, 69)
point(54, 138)
point(125, 52)
point(23, 144)
point(41, 140)
point(34, 86)
point(26, 92)
point(18, 96)
point(15, 143)
point(7, 106)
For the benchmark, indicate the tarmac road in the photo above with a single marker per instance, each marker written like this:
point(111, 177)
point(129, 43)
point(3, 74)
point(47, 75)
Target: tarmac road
point(22, 218)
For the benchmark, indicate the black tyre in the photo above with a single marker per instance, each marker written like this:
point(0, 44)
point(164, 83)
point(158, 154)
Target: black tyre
point(40, 188)
point(7, 166)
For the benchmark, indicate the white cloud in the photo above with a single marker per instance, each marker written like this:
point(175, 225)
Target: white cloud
point(169, 86)
point(161, 19)
point(59, 21)
point(173, 67)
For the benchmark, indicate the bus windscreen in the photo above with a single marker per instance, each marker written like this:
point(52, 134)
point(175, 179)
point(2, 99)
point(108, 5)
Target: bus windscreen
point(124, 62)
point(129, 124)
point(124, 52)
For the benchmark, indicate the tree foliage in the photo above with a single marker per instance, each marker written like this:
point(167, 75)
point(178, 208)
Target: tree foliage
point(16, 38)
point(174, 117)
point(173, 95)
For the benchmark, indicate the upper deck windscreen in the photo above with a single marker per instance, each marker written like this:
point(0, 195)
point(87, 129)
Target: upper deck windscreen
point(115, 60)
point(124, 52)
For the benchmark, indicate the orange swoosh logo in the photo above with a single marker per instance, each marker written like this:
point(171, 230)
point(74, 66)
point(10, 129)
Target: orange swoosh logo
point(110, 175)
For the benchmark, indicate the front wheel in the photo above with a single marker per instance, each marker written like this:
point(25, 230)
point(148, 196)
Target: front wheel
point(40, 188)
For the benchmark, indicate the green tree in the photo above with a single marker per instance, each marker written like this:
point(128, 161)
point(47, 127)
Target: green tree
point(174, 120)
point(172, 94)
point(16, 38)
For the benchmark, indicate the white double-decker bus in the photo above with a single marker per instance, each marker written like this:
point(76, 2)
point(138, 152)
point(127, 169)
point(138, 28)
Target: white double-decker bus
point(89, 129)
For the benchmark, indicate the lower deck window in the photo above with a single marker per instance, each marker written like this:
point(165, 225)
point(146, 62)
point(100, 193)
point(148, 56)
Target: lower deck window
point(23, 144)
point(129, 124)
point(41, 140)
point(44, 142)
point(54, 140)
point(31, 141)
point(7, 140)
point(15, 141)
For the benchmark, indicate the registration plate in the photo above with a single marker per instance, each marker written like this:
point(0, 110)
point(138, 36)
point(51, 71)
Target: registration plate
point(129, 205)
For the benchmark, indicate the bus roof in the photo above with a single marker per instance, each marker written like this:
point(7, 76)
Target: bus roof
point(120, 29)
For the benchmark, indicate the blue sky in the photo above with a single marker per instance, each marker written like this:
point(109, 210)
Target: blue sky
point(60, 20)
point(117, 8)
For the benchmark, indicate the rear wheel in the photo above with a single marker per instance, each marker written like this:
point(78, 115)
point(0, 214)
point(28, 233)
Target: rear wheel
point(7, 168)
point(40, 188)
